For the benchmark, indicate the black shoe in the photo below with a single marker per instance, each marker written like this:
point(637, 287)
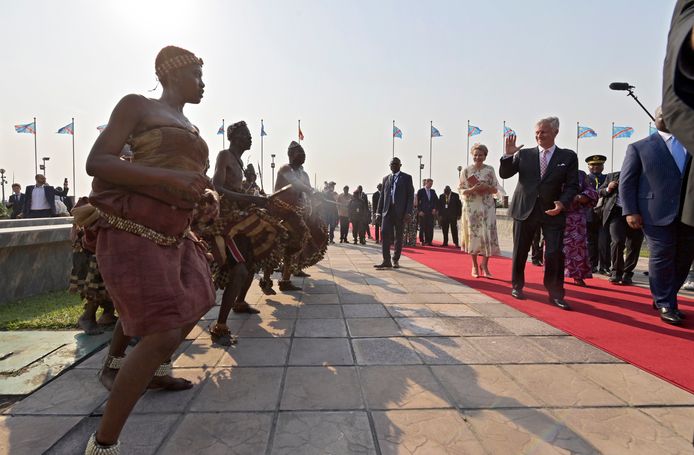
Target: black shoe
point(457, 246)
point(594, 270)
point(615, 279)
point(627, 281)
point(537, 263)
point(580, 282)
point(670, 316)
point(383, 265)
point(444, 244)
point(518, 294)
point(355, 241)
point(396, 264)
point(561, 303)
point(604, 272)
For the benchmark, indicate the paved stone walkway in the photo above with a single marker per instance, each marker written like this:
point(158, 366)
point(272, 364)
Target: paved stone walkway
point(375, 362)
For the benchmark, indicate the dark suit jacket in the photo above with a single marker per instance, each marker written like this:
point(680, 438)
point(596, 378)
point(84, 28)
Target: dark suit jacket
point(374, 203)
point(678, 94)
point(425, 204)
point(50, 193)
point(404, 196)
point(16, 204)
point(651, 183)
point(455, 207)
point(609, 197)
point(560, 182)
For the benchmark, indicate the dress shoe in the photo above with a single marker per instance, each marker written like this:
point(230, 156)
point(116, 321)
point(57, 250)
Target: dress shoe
point(604, 272)
point(670, 316)
point(594, 270)
point(537, 263)
point(383, 265)
point(580, 282)
point(561, 303)
point(677, 311)
point(615, 279)
point(396, 264)
point(518, 294)
point(627, 281)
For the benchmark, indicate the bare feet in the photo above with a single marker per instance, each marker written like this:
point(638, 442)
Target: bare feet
point(221, 335)
point(169, 383)
point(89, 326)
point(107, 319)
point(244, 307)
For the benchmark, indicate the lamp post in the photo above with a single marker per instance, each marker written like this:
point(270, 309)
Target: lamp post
point(43, 166)
point(272, 165)
point(421, 166)
point(460, 169)
point(3, 180)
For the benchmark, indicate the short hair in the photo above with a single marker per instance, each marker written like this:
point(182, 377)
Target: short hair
point(234, 128)
point(551, 121)
point(16, 184)
point(395, 159)
point(478, 146)
point(39, 175)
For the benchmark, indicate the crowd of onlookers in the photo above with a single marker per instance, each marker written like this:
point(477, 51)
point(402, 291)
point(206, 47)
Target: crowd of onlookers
point(40, 200)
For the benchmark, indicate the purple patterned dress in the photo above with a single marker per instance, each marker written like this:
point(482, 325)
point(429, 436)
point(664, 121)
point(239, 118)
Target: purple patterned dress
point(577, 262)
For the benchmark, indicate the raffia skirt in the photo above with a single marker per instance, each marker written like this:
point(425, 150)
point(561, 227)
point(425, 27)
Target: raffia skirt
point(154, 288)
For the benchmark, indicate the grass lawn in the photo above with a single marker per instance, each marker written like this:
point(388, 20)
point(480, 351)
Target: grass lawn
point(51, 311)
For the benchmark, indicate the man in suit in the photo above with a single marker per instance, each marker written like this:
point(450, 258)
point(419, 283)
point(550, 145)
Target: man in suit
point(427, 204)
point(374, 204)
point(651, 184)
point(418, 219)
point(678, 94)
point(621, 235)
point(16, 201)
point(343, 201)
point(547, 183)
point(450, 210)
point(394, 210)
point(598, 231)
point(39, 199)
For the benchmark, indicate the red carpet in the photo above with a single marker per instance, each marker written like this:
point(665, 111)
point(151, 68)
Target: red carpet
point(616, 319)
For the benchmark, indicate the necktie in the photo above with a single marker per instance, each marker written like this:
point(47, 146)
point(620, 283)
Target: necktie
point(392, 189)
point(543, 163)
point(597, 182)
point(678, 153)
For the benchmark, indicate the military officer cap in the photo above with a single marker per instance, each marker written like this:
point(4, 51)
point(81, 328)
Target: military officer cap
point(596, 159)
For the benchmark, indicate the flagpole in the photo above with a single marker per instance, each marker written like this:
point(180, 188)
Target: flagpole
point(467, 149)
point(262, 170)
point(612, 156)
point(36, 153)
point(503, 150)
point(299, 135)
point(224, 133)
point(393, 134)
point(74, 183)
point(577, 138)
point(431, 141)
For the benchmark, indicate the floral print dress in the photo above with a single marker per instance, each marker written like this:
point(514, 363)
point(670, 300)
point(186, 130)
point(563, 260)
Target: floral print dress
point(478, 228)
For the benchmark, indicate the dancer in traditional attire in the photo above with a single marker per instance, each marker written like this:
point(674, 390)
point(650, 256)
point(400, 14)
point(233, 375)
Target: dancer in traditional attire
point(155, 271)
point(249, 184)
point(577, 258)
point(86, 281)
point(246, 238)
point(308, 234)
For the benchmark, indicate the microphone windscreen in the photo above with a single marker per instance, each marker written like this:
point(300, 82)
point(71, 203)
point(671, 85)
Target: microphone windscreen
point(620, 86)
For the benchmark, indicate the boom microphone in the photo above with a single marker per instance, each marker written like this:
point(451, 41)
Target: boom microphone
point(621, 86)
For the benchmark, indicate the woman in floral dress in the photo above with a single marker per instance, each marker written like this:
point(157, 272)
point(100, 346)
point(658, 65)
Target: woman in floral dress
point(478, 184)
point(577, 262)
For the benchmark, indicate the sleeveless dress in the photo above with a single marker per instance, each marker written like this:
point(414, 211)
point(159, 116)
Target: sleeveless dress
point(155, 285)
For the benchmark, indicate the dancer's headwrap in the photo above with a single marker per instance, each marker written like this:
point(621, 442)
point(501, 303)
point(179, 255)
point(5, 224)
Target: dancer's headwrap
point(172, 58)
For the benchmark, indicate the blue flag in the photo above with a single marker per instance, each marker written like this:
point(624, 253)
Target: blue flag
point(619, 132)
point(652, 130)
point(508, 132)
point(435, 132)
point(397, 132)
point(473, 130)
point(221, 129)
point(67, 129)
point(262, 129)
point(584, 131)
point(28, 128)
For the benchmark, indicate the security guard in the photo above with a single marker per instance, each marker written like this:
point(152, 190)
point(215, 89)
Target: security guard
point(598, 234)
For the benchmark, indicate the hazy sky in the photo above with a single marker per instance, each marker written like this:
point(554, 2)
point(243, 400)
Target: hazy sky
point(346, 69)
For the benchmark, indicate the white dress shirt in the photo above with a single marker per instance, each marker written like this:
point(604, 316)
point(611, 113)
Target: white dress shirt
point(38, 198)
point(550, 152)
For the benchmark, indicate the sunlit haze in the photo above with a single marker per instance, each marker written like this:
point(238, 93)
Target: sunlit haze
point(345, 69)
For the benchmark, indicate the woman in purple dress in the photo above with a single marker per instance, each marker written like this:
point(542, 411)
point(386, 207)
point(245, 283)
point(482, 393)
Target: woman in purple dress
point(577, 262)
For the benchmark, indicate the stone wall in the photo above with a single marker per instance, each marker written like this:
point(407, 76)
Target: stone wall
point(35, 257)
